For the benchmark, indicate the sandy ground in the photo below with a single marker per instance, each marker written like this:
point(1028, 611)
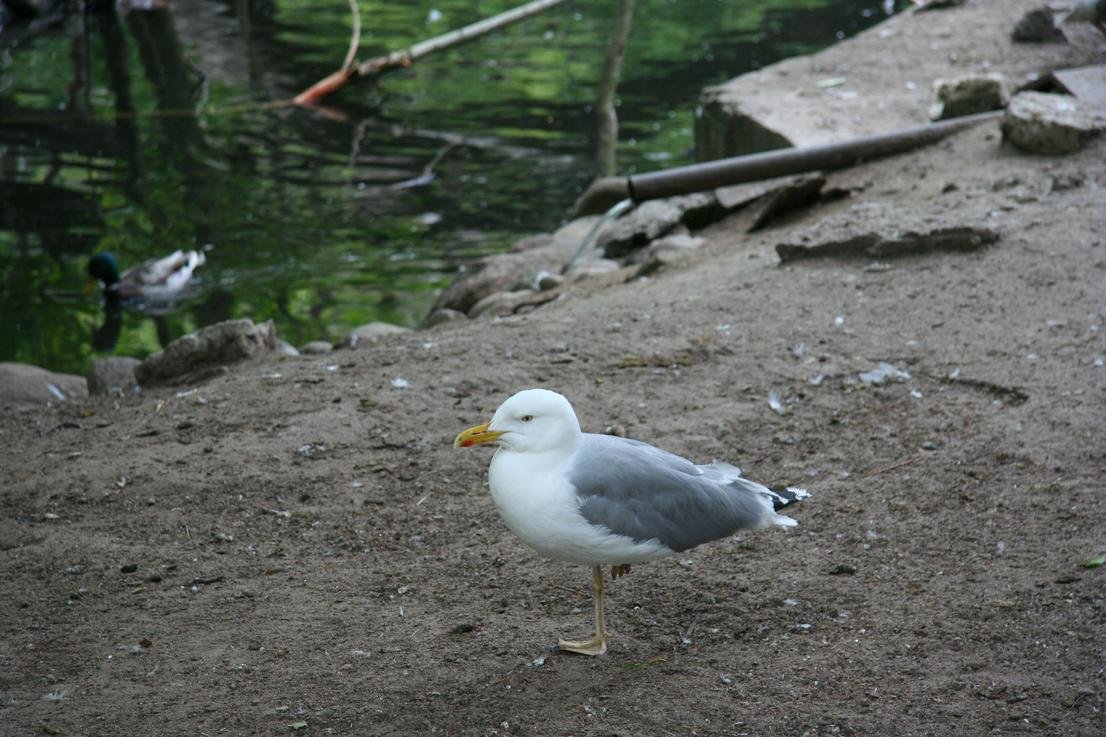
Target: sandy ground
point(296, 548)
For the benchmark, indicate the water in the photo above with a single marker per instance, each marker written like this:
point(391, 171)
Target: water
point(146, 132)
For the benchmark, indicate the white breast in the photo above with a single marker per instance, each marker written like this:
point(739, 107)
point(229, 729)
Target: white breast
point(539, 505)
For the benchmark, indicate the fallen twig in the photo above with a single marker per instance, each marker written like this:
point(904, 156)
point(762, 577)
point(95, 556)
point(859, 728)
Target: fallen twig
point(574, 592)
point(891, 466)
point(427, 175)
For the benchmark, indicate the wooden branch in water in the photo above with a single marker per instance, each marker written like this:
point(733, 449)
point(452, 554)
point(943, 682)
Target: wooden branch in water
point(406, 57)
point(606, 119)
point(337, 80)
point(355, 37)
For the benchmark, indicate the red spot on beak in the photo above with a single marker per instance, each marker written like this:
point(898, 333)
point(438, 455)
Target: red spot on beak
point(467, 444)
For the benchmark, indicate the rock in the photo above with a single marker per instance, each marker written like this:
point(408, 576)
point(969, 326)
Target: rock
point(22, 383)
point(736, 196)
point(530, 243)
point(114, 374)
point(503, 272)
point(869, 245)
point(507, 303)
point(723, 127)
point(660, 260)
point(316, 347)
point(1086, 84)
point(366, 335)
point(671, 247)
point(207, 348)
point(444, 315)
point(547, 281)
point(878, 88)
point(655, 218)
point(648, 221)
point(877, 230)
point(592, 267)
point(798, 192)
point(974, 93)
point(1043, 123)
point(285, 348)
point(1037, 26)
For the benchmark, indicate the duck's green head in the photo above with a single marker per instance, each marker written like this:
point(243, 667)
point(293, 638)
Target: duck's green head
point(102, 266)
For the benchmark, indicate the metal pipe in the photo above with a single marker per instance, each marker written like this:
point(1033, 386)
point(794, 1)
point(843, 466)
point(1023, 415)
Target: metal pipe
point(781, 162)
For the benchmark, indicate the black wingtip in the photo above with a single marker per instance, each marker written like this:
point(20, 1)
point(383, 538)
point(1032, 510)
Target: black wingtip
point(786, 496)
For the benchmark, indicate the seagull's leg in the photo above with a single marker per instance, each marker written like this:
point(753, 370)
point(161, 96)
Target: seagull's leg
point(598, 644)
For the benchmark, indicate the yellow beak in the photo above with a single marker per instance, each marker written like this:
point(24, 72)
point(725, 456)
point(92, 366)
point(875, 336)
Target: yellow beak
point(475, 436)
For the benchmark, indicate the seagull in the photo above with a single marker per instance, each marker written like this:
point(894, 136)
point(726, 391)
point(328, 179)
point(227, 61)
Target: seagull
point(600, 500)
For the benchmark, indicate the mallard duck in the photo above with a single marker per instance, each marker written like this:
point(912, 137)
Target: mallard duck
point(154, 287)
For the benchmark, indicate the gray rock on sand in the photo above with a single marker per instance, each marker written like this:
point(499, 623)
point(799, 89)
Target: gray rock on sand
point(725, 127)
point(1043, 123)
point(285, 348)
point(1037, 26)
point(508, 303)
point(443, 316)
point(882, 230)
point(507, 271)
point(656, 218)
point(316, 347)
point(22, 383)
point(968, 95)
point(670, 248)
point(216, 345)
point(366, 335)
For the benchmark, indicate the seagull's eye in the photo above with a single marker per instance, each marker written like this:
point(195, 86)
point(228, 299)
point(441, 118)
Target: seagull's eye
point(527, 418)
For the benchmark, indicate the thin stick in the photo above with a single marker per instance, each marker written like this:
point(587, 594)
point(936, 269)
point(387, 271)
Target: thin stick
point(406, 57)
point(355, 38)
point(575, 592)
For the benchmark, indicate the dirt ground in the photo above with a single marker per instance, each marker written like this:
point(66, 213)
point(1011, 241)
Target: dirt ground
point(296, 548)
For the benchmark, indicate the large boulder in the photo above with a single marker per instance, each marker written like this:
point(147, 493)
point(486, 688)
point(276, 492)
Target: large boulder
point(22, 383)
point(207, 348)
point(725, 127)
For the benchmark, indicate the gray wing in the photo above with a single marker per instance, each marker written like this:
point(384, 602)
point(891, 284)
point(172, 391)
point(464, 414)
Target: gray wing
point(641, 491)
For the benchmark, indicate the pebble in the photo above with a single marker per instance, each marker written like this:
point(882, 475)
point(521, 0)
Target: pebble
point(317, 347)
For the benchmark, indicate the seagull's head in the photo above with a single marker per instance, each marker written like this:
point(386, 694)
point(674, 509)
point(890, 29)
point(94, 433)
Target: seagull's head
point(534, 420)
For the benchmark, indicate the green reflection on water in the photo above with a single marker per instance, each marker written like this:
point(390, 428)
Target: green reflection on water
point(141, 133)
